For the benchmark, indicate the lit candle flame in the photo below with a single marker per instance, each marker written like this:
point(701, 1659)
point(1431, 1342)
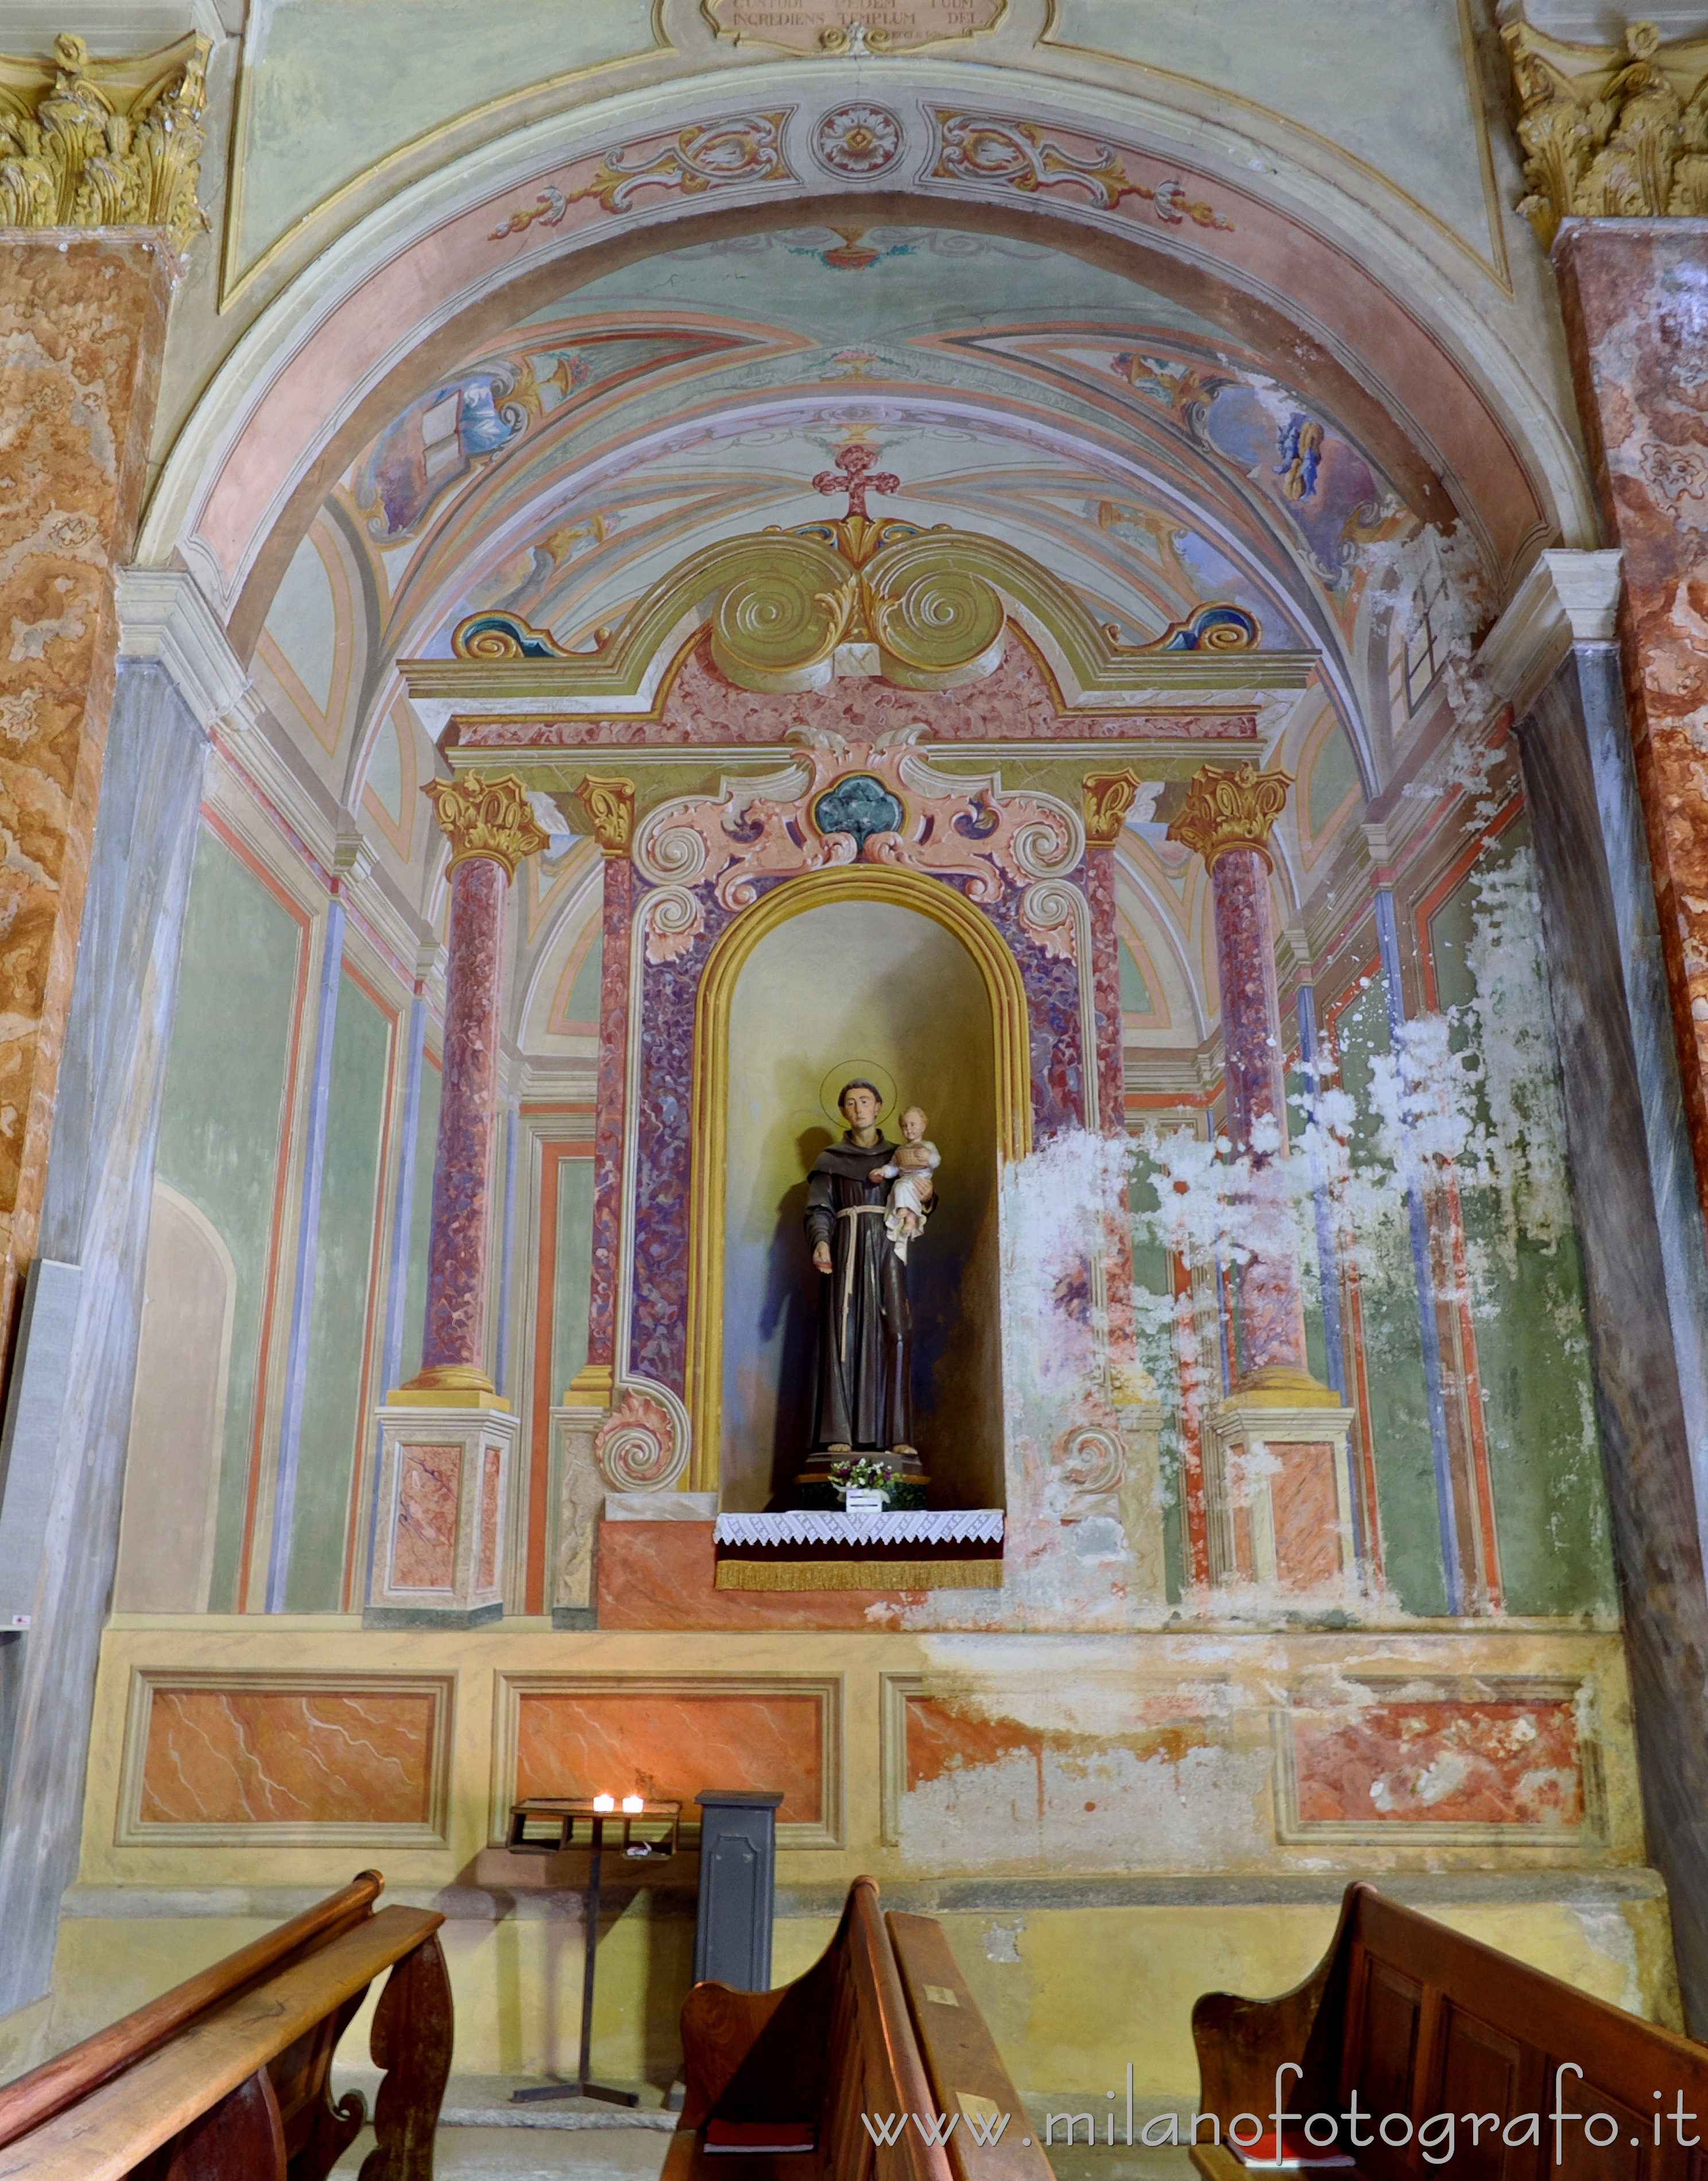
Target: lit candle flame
point(634, 1804)
point(604, 1802)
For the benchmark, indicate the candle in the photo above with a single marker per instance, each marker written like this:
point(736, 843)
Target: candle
point(634, 1804)
point(604, 1802)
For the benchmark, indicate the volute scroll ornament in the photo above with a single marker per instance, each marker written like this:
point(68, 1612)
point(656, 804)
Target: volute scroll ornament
point(491, 818)
point(609, 804)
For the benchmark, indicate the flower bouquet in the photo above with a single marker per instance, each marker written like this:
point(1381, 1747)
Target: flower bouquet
point(867, 1472)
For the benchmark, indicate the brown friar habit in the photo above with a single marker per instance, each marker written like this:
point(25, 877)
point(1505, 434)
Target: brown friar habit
point(862, 1394)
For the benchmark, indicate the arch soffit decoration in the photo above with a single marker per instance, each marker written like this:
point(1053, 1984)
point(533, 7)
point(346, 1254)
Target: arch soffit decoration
point(386, 308)
point(998, 972)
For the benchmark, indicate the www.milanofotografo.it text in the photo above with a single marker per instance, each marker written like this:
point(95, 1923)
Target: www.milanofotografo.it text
point(1353, 2127)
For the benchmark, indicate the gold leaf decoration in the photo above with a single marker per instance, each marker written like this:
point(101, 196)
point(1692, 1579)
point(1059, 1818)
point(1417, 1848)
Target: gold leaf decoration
point(487, 817)
point(104, 143)
point(1228, 808)
point(1611, 133)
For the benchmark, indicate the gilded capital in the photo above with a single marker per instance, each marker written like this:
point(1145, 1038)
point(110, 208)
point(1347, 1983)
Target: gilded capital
point(1106, 799)
point(1611, 132)
point(609, 808)
point(1229, 807)
point(104, 143)
point(489, 818)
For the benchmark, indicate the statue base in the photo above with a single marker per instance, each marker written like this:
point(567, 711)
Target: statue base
point(904, 1460)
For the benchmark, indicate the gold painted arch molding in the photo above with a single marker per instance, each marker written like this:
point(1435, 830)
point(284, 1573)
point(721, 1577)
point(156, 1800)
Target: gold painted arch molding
point(791, 609)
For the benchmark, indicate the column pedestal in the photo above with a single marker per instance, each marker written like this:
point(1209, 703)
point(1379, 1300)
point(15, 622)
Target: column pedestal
point(445, 1481)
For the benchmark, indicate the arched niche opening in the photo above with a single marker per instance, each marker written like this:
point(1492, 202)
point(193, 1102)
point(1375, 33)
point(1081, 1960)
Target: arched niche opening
point(886, 985)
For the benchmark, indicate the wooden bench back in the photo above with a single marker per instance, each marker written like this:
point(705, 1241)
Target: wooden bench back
point(968, 2079)
point(882, 2027)
point(224, 2078)
point(1421, 2021)
point(1434, 2023)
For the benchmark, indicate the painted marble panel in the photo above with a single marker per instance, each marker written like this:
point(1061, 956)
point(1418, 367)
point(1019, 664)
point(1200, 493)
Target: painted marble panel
point(1305, 1511)
point(423, 1550)
point(491, 1499)
point(1501, 1762)
point(979, 1790)
point(669, 1744)
point(662, 1575)
point(288, 1756)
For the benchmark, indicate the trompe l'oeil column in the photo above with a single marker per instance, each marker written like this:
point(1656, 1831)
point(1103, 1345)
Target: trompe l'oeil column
point(1278, 1488)
point(490, 829)
point(447, 1441)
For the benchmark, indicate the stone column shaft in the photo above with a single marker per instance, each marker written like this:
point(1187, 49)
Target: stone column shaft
point(490, 828)
point(609, 804)
point(82, 328)
point(1632, 291)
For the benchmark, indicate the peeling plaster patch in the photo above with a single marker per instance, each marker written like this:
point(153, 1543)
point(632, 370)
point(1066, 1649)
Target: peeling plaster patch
point(1607, 1931)
point(1001, 1941)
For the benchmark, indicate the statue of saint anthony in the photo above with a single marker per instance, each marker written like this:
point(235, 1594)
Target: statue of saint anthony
point(862, 1389)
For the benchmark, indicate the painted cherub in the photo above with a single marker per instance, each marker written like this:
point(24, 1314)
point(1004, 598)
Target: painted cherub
point(909, 1175)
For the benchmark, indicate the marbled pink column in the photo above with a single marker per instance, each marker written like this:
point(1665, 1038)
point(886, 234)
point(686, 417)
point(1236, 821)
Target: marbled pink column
point(1272, 1316)
point(608, 1126)
point(462, 1234)
point(1105, 989)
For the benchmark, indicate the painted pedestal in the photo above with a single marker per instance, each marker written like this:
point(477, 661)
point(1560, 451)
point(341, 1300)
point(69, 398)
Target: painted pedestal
point(445, 1483)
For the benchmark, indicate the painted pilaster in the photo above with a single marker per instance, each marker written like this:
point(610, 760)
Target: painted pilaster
point(506, 1250)
point(1280, 1438)
point(610, 806)
point(1632, 293)
point(175, 678)
point(307, 1251)
point(1106, 799)
point(1448, 1510)
point(1632, 1185)
point(448, 1440)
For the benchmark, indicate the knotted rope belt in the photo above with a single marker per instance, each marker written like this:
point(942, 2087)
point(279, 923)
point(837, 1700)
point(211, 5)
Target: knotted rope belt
point(850, 1211)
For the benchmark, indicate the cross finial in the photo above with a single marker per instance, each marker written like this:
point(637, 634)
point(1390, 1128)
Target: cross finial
point(849, 476)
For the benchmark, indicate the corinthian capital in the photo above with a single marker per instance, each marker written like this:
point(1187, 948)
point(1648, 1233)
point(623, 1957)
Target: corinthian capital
point(609, 808)
point(1107, 798)
point(1230, 808)
point(488, 818)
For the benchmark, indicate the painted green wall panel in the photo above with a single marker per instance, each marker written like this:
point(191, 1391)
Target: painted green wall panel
point(421, 1220)
point(332, 1404)
point(582, 1004)
point(574, 1279)
point(1392, 1342)
point(1526, 1278)
point(221, 1122)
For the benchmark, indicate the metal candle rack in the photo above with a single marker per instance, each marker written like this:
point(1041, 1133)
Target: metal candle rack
point(546, 1826)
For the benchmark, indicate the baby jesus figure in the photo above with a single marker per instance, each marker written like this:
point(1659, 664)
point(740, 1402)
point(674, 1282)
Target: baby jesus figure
point(909, 1175)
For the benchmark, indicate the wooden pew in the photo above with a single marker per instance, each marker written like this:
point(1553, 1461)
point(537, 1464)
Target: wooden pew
point(843, 2042)
point(225, 2076)
point(1421, 2024)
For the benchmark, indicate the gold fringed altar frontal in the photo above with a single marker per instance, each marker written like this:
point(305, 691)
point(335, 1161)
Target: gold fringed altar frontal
point(859, 1575)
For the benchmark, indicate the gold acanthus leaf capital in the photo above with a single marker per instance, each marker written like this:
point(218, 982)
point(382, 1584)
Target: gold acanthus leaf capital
point(1105, 799)
point(1229, 807)
point(491, 818)
point(1611, 132)
point(609, 807)
point(104, 143)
